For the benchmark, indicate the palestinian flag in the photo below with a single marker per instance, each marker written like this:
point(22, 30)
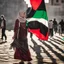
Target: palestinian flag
point(37, 20)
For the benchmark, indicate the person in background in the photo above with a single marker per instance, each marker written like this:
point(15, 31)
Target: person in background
point(22, 53)
point(31, 35)
point(3, 26)
point(59, 29)
point(27, 14)
point(62, 25)
point(50, 26)
point(55, 25)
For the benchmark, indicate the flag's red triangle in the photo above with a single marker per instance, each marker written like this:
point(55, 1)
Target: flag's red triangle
point(39, 34)
point(35, 3)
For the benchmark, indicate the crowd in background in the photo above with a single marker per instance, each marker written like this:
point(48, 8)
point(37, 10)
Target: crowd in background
point(55, 27)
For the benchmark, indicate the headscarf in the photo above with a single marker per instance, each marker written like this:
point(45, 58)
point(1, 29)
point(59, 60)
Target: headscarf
point(22, 16)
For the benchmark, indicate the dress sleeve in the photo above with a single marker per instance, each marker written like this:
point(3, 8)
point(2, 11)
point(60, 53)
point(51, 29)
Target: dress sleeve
point(16, 28)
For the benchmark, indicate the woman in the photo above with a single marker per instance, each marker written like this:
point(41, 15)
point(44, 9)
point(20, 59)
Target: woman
point(21, 53)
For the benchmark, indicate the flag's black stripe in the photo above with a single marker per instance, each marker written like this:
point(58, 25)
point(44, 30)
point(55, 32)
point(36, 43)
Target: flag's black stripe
point(43, 29)
point(34, 24)
point(30, 12)
point(37, 25)
point(42, 6)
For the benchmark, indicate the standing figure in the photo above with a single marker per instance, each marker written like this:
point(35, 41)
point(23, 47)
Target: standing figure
point(3, 26)
point(31, 35)
point(50, 26)
point(59, 29)
point(62, 25)
point(27, 14)
point(55, 25)
point(22, 52)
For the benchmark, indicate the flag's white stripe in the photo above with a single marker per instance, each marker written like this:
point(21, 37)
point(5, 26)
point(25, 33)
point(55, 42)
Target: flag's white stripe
point(28, 3)
point(41, 20)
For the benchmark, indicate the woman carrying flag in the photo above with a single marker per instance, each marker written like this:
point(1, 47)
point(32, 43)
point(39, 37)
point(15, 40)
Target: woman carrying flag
point(21, 52)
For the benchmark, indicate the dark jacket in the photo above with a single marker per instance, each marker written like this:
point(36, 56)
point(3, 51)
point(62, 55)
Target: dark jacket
point(4, 24)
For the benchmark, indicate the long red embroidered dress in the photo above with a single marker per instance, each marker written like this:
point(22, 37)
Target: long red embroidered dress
point(23, 53)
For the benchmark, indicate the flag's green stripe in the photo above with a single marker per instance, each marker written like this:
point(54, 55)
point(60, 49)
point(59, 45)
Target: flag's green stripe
point(26, 23)
point(40, 14)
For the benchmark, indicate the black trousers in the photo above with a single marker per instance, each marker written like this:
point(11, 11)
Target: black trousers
point(31, 34)
point(3, 34)
point(51, 32)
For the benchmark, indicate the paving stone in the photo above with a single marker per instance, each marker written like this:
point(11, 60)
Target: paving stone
point(7, 54)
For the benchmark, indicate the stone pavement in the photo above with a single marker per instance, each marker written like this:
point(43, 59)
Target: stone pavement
point(42, 52)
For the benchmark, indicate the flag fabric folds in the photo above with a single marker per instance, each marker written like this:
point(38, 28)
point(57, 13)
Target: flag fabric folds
point(37, 20)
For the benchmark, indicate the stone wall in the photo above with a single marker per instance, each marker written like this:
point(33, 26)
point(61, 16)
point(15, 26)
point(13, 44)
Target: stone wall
point(10, 9)
point(55, 11)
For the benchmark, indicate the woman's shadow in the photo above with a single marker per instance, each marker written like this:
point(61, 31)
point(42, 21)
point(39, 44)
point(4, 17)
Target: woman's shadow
point(37, 50)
